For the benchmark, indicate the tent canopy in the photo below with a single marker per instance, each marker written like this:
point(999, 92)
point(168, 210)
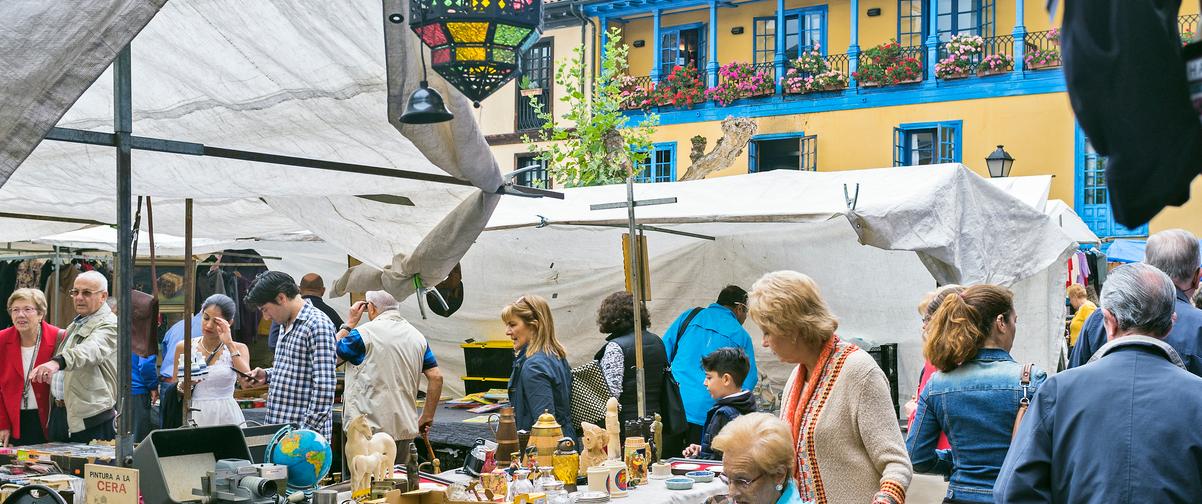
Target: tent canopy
point(302, 79)
point(1128, 251)
point(922, 224)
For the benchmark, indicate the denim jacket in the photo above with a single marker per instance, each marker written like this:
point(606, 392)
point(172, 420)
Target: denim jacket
point(541, 382)
point(975, 404)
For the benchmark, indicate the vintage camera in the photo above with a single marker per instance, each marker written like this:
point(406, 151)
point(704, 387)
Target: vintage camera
point(239, 481)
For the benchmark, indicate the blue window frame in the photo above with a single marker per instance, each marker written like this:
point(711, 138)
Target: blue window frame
point(1091, 195)
point(534, 178)
point(682, 45)
point(660, 165)
point(911, 24)
point(805, 29)
point(927, 143)
point(966, 17)
point(784, 151)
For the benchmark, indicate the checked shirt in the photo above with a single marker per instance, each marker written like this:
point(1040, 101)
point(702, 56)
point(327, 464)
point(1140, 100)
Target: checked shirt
point(301, 383)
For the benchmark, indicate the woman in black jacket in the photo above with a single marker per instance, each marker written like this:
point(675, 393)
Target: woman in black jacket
point(615, 318)
point(541, 379)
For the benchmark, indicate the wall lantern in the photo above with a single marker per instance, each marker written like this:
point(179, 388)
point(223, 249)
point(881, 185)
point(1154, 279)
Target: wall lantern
point(736, 30)
point(999, 163)
point(475, 44)
point(639, 43)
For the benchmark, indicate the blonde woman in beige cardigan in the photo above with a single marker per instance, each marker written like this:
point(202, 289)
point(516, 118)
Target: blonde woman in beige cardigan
point(847, 443)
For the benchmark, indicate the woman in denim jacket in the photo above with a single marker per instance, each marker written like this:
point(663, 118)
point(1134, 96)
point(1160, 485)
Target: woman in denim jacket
point(975, 395)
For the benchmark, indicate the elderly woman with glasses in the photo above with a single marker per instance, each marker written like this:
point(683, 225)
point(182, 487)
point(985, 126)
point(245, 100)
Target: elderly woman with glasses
point(757, 460)
point(847, 443)
point(541, 380)
point(29, 342)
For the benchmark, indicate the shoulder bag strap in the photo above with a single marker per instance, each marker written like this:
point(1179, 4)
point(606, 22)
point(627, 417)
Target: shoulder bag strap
point(1025, 382)
point(680, 332)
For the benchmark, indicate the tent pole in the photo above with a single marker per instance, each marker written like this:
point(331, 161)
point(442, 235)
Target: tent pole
point(636, 281)
point(123, 121)
point(189, 306)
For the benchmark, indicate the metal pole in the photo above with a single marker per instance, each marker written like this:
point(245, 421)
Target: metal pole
point(189, 305)
point(123, 122)
point(636, 280)
point(54, 293)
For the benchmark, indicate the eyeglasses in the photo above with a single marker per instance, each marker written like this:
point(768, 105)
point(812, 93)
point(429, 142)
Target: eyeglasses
point(741, 483)
point(26, 309)
point(84, 293)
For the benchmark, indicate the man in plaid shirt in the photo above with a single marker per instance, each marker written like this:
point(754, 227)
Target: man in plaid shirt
point(301, 383)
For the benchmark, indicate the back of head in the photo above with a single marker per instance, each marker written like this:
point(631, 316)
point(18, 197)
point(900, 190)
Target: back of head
point(223, 303)
point(1076, 291)
point(270, 284)
point(535, 313)
point(963, 322)
point(1175, 252)
point(732, 296)
point(382, 300)
point(728, 360)
point(1141, 299)
point(937, 298)
point(616, 314)
point(312, 282)
point(762, 438)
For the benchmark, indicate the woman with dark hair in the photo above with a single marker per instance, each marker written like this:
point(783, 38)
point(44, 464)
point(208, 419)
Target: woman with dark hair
point(975, 395)
point(213, 396)
point(615, 318)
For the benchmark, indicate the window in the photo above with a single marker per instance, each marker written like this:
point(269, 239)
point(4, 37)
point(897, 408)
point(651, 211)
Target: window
point(1093, 198)
point(660, 165)
point(793, 151)
point(955, 17)
point(911, 29)
point(534, 178)
point(805, 29)
point(536, 66)
point(682, 46)
point(926, 143)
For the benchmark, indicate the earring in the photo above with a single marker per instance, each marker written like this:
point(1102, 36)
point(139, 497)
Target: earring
point(779, 487)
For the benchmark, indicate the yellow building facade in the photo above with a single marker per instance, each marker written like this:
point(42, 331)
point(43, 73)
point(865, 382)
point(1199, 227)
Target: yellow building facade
point(939, 118)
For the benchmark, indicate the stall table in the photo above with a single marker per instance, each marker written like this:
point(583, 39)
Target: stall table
point(653, 492)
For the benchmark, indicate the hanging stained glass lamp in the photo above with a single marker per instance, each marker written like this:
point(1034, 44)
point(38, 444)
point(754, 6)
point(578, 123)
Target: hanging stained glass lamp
point(475, 44)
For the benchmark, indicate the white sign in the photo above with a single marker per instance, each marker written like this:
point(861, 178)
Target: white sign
point(110, 485)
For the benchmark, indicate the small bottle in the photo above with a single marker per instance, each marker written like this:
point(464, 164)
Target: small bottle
point(521, 484)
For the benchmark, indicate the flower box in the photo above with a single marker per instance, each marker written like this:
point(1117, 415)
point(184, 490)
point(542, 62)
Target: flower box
point(955, 75)
point(1044, 65)
point(985, 72)
point(871, 84)
point(532, 92)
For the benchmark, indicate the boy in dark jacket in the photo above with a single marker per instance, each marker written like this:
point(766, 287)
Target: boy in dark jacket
point(725, 370)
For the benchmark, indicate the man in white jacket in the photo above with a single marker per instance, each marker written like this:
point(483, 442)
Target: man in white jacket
point(387, 358)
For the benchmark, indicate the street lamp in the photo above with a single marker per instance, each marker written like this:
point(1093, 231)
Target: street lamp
point(999, 163)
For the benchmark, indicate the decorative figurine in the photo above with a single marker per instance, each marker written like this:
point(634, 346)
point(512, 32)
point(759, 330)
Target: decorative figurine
point(566, 462)
point(593, 453)
point(657, 431)
point(614, 429)
point(636, 460)
point(371, 456)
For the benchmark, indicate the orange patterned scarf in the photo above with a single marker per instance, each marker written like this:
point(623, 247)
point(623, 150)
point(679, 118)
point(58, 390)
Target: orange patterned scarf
point(807, 395)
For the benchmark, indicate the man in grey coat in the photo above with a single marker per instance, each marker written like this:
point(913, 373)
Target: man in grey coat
point(83, 372)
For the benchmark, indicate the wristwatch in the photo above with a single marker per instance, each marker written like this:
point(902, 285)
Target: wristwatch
point(345, 327)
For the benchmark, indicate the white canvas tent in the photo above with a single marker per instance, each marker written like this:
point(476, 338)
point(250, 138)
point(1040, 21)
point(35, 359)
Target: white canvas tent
point(303, 79)
point(910, 228)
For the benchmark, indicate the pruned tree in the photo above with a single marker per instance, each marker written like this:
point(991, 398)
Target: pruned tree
point(736, 134)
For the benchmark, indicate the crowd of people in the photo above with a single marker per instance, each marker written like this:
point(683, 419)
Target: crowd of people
point(1116, 426)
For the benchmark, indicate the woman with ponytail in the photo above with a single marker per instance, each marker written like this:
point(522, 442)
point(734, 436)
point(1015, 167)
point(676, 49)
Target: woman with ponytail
point(974, 396)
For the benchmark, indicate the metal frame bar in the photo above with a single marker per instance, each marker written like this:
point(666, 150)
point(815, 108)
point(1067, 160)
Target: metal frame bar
point(123, 122)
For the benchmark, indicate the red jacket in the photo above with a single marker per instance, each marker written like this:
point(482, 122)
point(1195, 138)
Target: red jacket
point(12, 377)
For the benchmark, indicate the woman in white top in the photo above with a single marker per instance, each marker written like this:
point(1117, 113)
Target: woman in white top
point(213, 397)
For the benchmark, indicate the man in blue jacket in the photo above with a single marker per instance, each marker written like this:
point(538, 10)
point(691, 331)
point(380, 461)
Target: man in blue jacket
point(698, 332)
point(1175, 252)
point(1123, 428)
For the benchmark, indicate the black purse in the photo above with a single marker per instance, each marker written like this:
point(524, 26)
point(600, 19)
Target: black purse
point(670, 403)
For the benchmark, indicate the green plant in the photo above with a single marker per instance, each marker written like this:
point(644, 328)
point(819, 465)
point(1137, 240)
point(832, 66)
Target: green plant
point(888, 64)
point(739, 80)
point(681, 88)
point(526, 83)
point(600, 146)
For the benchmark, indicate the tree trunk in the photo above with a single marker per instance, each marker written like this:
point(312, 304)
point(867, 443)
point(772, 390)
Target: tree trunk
point(736, 134)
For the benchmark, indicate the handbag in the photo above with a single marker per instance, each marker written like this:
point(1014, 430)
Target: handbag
point(590, 393)
point(670, 403)
point(1025, 382)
